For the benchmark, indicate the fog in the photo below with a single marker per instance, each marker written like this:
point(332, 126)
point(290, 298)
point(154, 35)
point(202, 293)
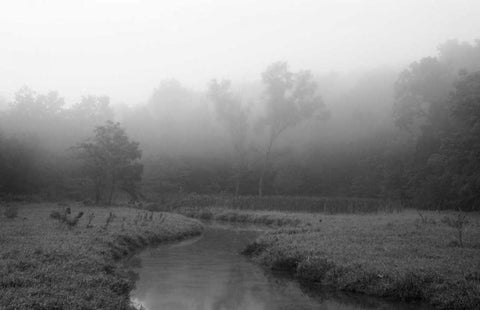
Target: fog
point(124, 48)
point(264, 154)
point(330, 98)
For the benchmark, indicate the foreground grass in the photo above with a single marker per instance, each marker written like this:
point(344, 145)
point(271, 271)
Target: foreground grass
point(47, 265)
point(396, 256)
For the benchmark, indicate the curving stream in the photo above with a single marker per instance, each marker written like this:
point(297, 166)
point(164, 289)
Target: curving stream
point(207, 273)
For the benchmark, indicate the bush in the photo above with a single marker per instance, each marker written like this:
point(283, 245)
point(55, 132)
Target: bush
point(11, 212)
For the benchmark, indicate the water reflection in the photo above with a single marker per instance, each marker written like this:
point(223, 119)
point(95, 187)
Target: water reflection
point(208, 274)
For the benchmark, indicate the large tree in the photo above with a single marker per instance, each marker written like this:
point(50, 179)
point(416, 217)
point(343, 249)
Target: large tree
point(291, 98)
point(111, 161)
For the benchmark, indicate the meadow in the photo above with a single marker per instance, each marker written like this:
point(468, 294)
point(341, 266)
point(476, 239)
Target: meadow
point(49, 263)
point(400, 257)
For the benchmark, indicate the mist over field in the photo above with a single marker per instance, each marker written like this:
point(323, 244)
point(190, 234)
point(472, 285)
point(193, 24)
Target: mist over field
point(363, 110)
point(129, 123)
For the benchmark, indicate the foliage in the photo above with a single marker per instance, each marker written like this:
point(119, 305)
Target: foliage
point(110, 159)
point(428, 161)
point(291, 98)
point(19, 166)
point(436, 102)
point(234, 117)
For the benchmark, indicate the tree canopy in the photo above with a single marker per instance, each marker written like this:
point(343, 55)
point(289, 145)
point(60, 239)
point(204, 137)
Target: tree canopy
point(111, 160)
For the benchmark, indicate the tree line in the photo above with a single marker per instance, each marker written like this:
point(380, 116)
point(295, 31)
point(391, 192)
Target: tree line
point(410, 136)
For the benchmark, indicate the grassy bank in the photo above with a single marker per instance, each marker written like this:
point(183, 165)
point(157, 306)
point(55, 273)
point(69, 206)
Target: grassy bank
point(47, 264)
point(396, 256)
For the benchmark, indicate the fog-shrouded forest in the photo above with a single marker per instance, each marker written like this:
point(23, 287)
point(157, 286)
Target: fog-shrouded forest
point(239, 155)
point(409, 135)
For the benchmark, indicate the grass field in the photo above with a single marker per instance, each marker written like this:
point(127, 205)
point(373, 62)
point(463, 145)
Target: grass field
point(396, 256)
point(46, 264)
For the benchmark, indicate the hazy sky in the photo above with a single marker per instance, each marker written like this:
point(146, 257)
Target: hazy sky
point(125, 48)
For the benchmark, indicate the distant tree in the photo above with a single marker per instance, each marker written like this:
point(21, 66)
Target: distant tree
point(291, 98)
point(31, 105)
point(111, 160)
point(423, 111)
point(420, 94)
point(90, 111)
point(459, 159)
point(234, 118)
point(21, 166)
point(177, 116)
point(460, 56)
point(35, 114)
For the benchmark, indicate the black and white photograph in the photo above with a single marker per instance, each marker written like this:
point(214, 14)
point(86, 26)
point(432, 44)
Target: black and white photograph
point(239, 154)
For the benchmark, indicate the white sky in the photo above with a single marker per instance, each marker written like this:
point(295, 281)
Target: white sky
point(125, 48)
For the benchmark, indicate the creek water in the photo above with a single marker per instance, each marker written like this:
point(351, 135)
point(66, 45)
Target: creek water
point(208, 273)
